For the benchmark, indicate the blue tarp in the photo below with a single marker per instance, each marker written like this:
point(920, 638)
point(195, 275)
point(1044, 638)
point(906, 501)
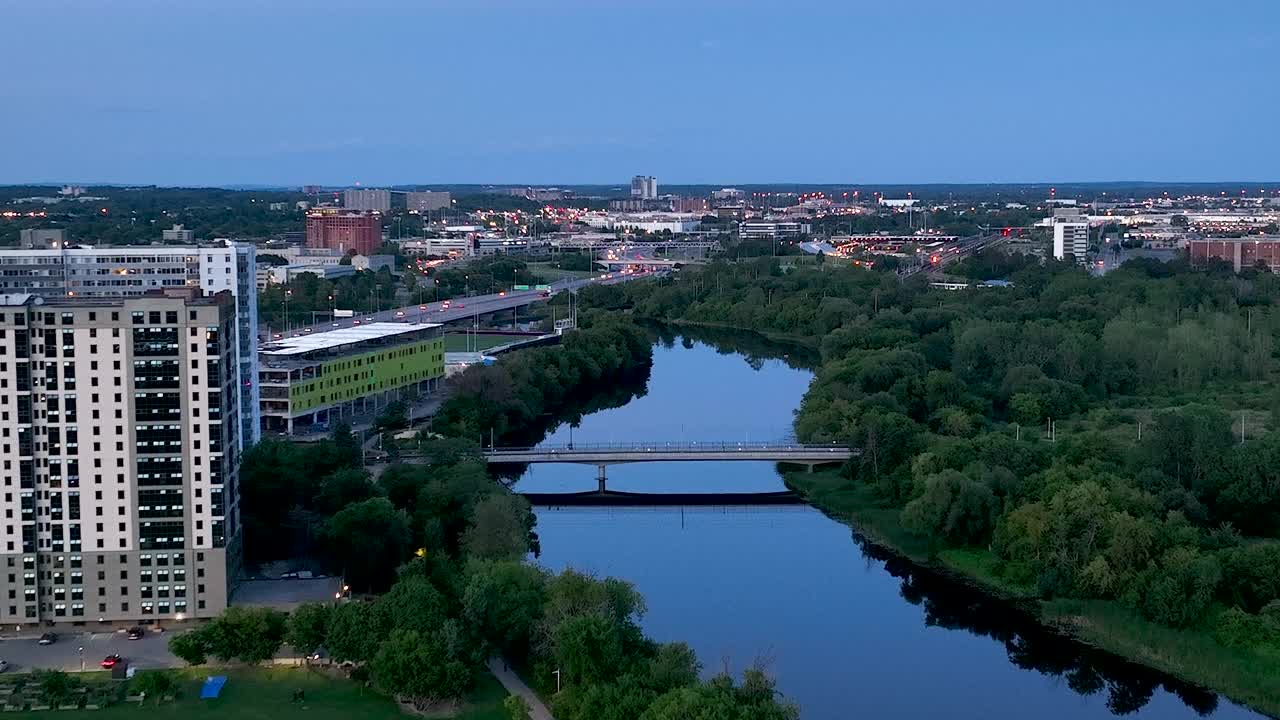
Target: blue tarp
point(212, 686)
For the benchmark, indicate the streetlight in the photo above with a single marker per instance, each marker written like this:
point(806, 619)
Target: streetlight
point(81, 651)
point(557, 674)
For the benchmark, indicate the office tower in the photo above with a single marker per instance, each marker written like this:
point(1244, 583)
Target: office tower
point(367, 200)
point(427, 201)
point(118, 425)
point(125, 271)
point(1070, 234)
point(644, 187)
point(342, 230)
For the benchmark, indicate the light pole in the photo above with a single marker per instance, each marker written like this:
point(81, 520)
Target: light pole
point(557, 674)
point(81, 651)
point(287, 294)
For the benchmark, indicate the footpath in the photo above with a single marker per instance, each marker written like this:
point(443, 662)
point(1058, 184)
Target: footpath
point(516, 686)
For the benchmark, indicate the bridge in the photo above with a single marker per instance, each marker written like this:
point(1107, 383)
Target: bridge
point(604, 454)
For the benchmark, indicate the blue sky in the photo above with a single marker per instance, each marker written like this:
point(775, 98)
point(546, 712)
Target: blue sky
point(567, 91)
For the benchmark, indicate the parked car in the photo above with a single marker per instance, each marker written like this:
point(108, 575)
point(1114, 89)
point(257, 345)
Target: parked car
point(137, 633)
point(111, 661)
point(4, 665)
point(48, 638)
point(298, 575)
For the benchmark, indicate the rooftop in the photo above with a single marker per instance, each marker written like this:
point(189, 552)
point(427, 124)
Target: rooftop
point(287, 347)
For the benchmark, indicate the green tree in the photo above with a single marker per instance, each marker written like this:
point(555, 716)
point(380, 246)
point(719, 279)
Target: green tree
point(251, 635)
point(505, 600)
point(354, 633)
point(953, 508)
point(500, 529)
point(421, 667)
point(342, 488)
point(308, 626)
point(1179, 589)
point(190, 647)
point(589, 649)
point(367, 540)
point(516, 708)
point(413, 603)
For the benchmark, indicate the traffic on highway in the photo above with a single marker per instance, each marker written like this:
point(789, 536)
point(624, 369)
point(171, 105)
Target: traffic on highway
point(458, 308)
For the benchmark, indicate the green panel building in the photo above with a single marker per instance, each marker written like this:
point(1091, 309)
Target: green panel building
point(311, 379)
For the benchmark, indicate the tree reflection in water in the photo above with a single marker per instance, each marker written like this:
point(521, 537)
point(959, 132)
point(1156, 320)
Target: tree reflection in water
point(1031, 646)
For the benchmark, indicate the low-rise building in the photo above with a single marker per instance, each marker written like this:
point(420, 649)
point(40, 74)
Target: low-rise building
point(1241, 252)
point(178, 234)
point(771, 229)
point(427, 201)
point(309, 378)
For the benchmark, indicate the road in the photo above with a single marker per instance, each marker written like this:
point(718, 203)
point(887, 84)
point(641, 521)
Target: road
point(152, 651)
point(455, 309)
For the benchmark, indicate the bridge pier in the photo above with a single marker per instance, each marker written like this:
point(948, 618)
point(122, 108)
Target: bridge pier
point(600, 477)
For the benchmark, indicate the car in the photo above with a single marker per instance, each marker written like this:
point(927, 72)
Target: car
point(277, 336)
point(422, 307)
point(136, 633)
point(111, 661)
point(306, 330)
point(502, 293)
point(335, 324)
point(355, 322)
point(4, 665)
point(460, 305)
point(399, 313)
point(48, 639)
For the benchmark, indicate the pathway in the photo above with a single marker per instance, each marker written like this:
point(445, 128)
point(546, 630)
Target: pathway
point(516, 686)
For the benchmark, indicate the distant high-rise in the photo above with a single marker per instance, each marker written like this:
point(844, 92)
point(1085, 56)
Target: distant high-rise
point(338, 229)
point(426, 201)
point(375, 200)
point(644, 187)
point(1070, 234)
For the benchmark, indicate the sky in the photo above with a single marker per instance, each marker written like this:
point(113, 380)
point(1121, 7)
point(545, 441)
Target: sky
point(284, 92)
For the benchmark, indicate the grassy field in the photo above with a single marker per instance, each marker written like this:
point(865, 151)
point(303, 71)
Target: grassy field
point(1192, 655)
point(552, 274)
point(264, 694)
point(477, 343)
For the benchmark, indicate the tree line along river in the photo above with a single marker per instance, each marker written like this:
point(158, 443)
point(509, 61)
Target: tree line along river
point(849, 631)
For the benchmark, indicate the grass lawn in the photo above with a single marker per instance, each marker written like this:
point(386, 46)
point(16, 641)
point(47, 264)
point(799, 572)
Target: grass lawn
point(264, 694)
point(552, 274)
point(477, 343)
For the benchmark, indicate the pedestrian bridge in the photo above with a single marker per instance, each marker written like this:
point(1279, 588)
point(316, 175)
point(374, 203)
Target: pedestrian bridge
point(616, 453)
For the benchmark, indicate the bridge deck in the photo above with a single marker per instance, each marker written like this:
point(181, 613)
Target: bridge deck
point(671, 452)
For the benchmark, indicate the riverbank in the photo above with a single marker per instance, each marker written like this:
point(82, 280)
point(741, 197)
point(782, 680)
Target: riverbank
point(1192, 655)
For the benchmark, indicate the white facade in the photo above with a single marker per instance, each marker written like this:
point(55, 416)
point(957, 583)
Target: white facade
point(134, 270)
point(375, 200)
point(1070, 235)
point(119, 434)
point(178, 233)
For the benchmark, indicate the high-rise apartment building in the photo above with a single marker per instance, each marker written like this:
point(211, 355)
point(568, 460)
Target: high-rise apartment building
point(427, 201)
point(118, 424)
point(644, 187)
point(338, 229)
point(79, 271)
point(367, 200)
point(1070, 234)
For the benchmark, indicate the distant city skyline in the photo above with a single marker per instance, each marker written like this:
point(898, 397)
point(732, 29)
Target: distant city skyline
point(575, 92)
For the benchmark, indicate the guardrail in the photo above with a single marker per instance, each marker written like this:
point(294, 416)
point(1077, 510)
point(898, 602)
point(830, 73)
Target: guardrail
point(714, 446)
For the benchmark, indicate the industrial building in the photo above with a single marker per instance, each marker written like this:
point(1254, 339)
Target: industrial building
point(343, 230)
point(90, 272)
point(308, 379)
point(1241, 252)
point(121, 451)
point(771, 229)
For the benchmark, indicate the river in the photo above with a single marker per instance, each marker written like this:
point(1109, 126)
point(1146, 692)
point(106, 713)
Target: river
point(847, 631)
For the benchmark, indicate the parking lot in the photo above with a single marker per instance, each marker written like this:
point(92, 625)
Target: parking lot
point(152, 651)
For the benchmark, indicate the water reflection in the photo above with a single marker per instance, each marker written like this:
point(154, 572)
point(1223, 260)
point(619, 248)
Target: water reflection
point(953, 606)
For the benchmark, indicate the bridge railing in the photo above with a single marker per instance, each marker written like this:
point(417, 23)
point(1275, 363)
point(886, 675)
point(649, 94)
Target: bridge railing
point(713, 446)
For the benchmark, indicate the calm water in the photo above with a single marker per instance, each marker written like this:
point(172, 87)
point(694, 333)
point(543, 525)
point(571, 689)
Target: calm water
point(847, 632)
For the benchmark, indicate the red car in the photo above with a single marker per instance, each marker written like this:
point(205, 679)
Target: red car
point(111, 661)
